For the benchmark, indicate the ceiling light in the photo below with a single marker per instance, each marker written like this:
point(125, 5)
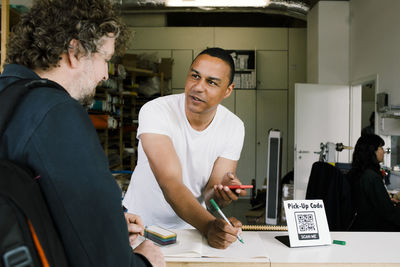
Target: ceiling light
point(217, 3)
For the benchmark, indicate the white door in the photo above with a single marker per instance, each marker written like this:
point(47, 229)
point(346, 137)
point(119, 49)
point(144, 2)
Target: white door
point(322, 114)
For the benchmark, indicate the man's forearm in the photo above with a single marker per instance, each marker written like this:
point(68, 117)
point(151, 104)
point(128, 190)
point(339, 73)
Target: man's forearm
point(187, 207)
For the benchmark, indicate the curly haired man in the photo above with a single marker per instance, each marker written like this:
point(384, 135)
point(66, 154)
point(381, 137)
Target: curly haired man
point(70, 43)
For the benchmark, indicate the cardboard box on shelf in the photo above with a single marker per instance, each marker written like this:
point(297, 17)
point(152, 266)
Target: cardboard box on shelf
point(165, 66)
point(129, 60)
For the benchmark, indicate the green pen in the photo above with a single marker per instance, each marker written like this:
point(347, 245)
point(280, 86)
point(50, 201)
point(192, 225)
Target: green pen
point(223, 216)
point(339, 242)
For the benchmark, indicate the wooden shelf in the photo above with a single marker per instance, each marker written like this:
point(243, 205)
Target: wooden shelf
point(125, 134)
point(141, 71)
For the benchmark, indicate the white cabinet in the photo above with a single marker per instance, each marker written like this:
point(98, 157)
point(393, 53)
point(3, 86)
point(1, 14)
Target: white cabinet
point(246, 111)
point(251, 38)
point(229, 102)
point(271, 114)
point(272, 70)
point(171, 37)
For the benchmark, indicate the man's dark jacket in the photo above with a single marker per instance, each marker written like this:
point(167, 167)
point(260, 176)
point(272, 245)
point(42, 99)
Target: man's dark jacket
point(52, 134)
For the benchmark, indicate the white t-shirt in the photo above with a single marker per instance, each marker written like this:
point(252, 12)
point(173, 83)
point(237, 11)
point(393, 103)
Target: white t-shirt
point(197, 151)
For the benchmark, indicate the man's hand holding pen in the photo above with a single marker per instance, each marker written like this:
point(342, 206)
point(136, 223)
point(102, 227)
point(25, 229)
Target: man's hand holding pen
point(223, 232)
point(221, 235)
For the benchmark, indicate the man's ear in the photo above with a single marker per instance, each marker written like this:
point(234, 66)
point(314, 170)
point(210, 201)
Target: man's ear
point(229, 90)
point(73, 53)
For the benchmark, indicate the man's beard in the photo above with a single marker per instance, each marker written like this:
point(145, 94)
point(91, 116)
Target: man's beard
point(87, 93)
point(87, 101)
point(87, 88)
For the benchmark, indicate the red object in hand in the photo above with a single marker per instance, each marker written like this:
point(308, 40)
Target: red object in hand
point(240, 186)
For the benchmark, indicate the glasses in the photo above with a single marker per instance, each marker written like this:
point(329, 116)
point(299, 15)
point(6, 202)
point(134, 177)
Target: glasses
point(385, 150)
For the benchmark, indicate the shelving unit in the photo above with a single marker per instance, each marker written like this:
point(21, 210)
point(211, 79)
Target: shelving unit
point(134, 73)
point(9, 18)
point(245, 68)
point(118, 135)
point(106, 115)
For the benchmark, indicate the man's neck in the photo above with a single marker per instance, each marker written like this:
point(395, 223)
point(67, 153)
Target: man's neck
point(49, 75)
point(56, 74)
point(200, 122)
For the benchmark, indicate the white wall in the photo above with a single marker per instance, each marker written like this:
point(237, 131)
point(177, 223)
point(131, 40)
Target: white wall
point(328, 43)
point(145, 20)
point(328, 54)
point(312, 45)
point(375, 51)
point(297, 74)
point(375, 44)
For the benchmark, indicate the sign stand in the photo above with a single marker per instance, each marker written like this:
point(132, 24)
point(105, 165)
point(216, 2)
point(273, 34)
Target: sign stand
point(307, 223)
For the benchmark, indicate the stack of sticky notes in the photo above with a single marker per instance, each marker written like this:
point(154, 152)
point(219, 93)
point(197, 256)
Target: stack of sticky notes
point(160, 235)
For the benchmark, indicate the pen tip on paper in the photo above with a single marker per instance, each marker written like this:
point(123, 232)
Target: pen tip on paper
point(241, 241)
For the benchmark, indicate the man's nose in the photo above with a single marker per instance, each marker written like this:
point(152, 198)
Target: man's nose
point(105, 77)
point(200, 85)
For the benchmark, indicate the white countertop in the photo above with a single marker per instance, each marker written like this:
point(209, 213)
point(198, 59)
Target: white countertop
point(361, 247)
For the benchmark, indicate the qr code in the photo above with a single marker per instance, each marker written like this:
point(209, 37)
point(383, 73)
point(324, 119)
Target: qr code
point(306, 222)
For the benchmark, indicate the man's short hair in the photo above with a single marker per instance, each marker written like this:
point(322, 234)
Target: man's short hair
point(223, 55)
point(43, 34)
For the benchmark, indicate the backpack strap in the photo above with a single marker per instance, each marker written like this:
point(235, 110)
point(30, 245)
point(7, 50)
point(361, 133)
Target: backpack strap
point(12, 95)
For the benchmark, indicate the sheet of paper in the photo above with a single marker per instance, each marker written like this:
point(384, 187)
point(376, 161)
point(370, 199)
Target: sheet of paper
point(253, 247)
point(190, 243)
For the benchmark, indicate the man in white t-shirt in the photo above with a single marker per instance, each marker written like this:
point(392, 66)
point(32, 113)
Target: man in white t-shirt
point(189, 146)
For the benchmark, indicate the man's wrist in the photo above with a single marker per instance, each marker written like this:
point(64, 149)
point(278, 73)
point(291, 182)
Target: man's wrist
point(209, 225)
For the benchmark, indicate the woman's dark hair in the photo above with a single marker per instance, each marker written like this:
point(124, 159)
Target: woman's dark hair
point(223, 55)
point(44, 33)
point(364, 155)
